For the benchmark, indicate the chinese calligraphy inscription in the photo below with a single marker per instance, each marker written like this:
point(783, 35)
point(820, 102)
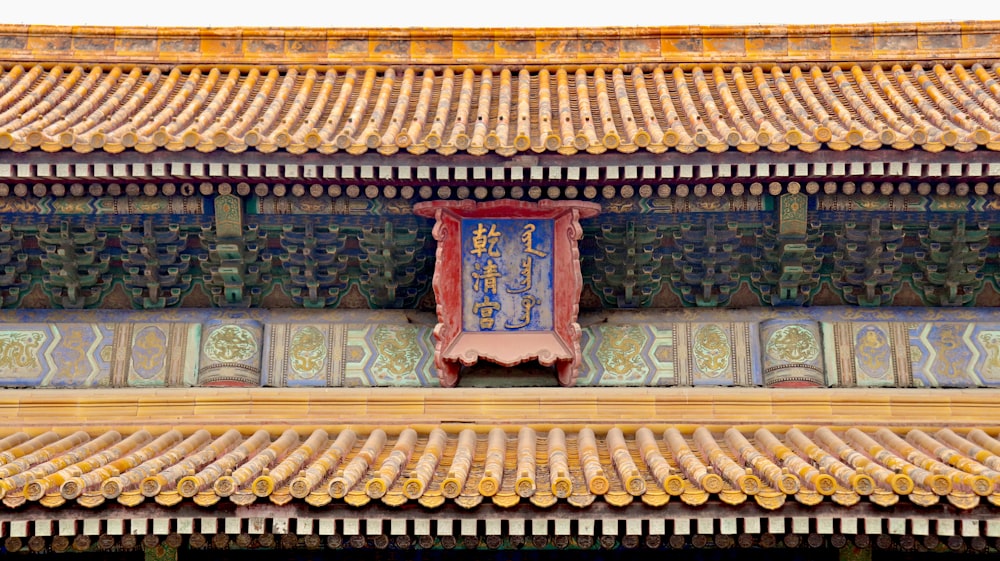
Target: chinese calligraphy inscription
point(507, 275)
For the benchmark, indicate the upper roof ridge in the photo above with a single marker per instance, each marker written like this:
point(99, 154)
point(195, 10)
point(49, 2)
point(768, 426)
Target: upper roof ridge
point(860, 43)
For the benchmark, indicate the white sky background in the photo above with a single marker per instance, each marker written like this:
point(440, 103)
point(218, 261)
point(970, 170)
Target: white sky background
point(486, 13)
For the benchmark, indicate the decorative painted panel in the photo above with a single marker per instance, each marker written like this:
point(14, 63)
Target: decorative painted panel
point(717, 354)
point(950, 354)
point(162, 354)
point(49, 355)
point(304, 355)
point(637, 354)
point(866, 354)
point(102, 205)
point(390, 355)
point(623, 355)
point(906, 203)
point(230, 353)
point(791, 354)
point(331, 206)
point(316, 348)
point(229, 216)
point(87, 355)
point(686, 205)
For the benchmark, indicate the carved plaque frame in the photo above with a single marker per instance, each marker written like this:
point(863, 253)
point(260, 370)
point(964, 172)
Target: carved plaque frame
point(560, 345)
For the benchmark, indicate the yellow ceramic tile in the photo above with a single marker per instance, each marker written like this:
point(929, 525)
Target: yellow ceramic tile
point(389, 45)
point(918, 409)
point(396, 409)
point(514, 45)
point(49, 39)
point(469, 409)
point(767, 43)
point(853, 40)
point(975, 406)
point(274, 408)
point(894, 39)
point(222, 405)
point(854, 404)
point(638, 408)
point(94, 40)
point(640, 42)
point(980, 36)
point(679, 44)
point(807, 43)
point(431, 49)
point(221, 43)
point(473, 45)
point(940, 37)
point(679, 411)
point(744, 408)
point(173, 41)
point(724, 41)
point(689, 45)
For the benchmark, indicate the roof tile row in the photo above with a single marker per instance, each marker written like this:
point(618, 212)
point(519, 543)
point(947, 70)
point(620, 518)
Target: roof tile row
point(506, 112)
point(846, 465)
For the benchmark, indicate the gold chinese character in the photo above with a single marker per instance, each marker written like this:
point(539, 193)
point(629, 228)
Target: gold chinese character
point(484, 241)
point(527, 303)
point(485, 310)
point(526, 266)
point(528, 245)
point(488, 275)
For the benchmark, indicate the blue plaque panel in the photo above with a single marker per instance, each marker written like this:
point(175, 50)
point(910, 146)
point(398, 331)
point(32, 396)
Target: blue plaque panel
point(506, 275)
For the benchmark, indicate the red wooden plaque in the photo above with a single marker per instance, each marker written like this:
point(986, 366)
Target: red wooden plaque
point(507, 283)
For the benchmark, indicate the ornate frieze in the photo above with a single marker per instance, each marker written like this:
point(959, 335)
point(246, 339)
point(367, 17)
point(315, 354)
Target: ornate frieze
point(157, 269)
point(627, 265)
point(393, 265)
point(313, 261)
point(310, 348)
point(76, 264)
point(89, 355)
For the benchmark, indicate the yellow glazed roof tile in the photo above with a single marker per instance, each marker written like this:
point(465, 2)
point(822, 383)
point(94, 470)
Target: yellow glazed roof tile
point(770, 466)
point(505, 112)
point(357, 447)
point(505, 91)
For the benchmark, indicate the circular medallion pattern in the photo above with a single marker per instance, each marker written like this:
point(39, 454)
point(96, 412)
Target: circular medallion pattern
point(792, 343)
point(230, 343)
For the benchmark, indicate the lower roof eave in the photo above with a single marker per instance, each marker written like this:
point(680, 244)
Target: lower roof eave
point(385, 407)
